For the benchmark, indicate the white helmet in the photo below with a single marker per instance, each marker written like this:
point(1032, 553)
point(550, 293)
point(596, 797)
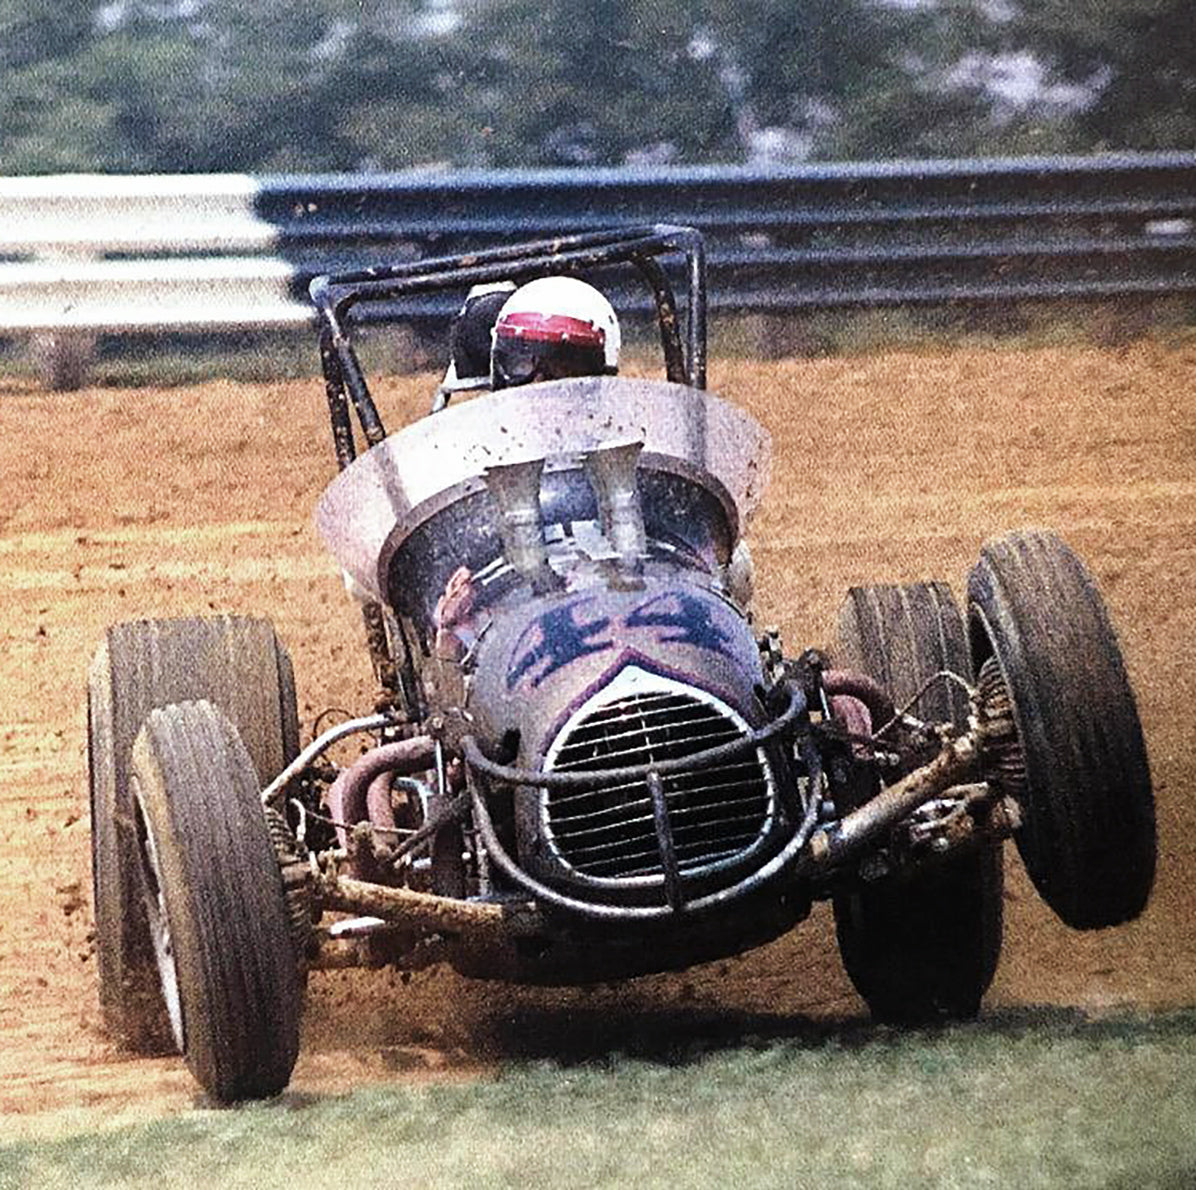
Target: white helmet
point(554, 327)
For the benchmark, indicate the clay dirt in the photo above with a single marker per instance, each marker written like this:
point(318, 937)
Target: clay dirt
point(127, 503)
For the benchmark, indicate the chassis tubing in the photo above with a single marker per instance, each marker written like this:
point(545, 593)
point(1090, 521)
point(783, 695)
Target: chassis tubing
point(828, 848)
point(954, 765)
point(487, 918)
point(631, 912)
point(638, 772)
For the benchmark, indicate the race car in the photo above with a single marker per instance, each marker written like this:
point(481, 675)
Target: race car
point(586, 761)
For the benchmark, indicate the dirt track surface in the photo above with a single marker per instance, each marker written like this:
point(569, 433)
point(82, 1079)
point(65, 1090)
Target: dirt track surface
point(124, 504)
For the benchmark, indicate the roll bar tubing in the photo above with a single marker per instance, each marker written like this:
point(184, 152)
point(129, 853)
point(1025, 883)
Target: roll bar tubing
point(335, 296)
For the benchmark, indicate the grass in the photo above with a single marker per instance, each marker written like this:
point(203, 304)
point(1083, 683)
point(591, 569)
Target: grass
point(1037, 1099)
point(1020, 326)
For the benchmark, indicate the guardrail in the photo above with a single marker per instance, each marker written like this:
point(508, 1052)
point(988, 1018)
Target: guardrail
point(86, 254)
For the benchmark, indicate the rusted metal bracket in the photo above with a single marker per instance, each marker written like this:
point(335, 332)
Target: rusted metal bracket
point(954, 765)
point(414, 910)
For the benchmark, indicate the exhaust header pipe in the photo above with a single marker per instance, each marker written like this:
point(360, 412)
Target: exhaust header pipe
point(515, 488)
point(612, 475)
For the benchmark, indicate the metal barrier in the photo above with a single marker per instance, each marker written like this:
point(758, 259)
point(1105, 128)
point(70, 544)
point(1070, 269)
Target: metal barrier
point(86, 254)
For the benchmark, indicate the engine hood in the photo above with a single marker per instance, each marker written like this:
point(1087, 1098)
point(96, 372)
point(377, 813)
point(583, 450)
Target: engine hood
point(607, 679)
point(542, 660)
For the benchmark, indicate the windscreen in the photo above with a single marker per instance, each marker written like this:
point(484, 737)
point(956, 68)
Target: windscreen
point(373, 505)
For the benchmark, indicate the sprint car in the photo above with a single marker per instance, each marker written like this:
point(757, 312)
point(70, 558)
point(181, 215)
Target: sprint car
point(586, 761)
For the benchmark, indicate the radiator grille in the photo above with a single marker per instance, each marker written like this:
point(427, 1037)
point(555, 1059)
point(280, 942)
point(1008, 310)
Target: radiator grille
point(716, 814)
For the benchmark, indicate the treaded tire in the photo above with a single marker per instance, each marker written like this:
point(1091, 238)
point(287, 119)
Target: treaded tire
point(900, 635)
point(925, 947)
point(1088, 832)
point(211, 876)
point(236, 662)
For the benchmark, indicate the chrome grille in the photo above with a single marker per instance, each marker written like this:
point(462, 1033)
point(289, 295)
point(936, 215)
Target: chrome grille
point(715, 813)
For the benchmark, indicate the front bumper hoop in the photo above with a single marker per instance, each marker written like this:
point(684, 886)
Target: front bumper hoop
point(479, 771)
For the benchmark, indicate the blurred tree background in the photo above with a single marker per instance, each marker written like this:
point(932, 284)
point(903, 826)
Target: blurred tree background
point(205, 86)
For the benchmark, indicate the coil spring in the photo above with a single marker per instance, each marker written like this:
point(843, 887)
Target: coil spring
point(296, 881)
point(1002, 758)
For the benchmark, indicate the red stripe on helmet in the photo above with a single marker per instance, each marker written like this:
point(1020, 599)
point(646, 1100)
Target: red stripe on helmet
point(550, 328)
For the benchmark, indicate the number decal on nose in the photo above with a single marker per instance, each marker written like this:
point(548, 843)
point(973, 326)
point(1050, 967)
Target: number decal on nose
point(559, 637)
point(689, 617)
point(555, 639)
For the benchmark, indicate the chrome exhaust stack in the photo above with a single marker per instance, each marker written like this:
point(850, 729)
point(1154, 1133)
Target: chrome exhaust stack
point(515, 488)
point(612, 474)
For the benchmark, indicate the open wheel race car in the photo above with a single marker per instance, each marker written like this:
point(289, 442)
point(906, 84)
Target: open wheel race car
point(585, 762)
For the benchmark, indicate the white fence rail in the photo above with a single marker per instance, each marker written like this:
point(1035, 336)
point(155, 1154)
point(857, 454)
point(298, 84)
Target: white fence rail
point(113, 254)
point(82, 255)
point(149, 295)
point(92, 214)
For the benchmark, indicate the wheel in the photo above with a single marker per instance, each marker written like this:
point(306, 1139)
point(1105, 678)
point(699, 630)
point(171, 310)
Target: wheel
point(237, 663)
point(1041, 636)
point(923, 947)
point(901, 635)
point(215, 905)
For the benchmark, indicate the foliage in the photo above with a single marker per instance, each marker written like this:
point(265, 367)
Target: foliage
point(1143, 52)
point(314, 85)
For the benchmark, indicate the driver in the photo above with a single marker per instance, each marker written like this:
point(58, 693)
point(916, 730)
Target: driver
point(470, 339)
point(552, 328)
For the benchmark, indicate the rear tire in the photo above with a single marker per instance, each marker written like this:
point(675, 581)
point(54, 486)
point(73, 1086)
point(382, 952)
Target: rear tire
point(215, 903)
point(900, 636)
point(1088, 831)
point(925, 947)
point(238, 664)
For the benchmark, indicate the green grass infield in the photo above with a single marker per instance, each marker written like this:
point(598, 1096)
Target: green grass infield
point(1029, 1098)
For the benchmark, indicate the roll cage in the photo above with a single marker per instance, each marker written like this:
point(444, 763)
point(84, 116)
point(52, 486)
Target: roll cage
point(337, 296)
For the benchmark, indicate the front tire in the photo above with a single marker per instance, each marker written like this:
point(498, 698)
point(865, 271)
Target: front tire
point(924, 947)
point(1039, 628)
point(215, 903)
point(236, 662)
